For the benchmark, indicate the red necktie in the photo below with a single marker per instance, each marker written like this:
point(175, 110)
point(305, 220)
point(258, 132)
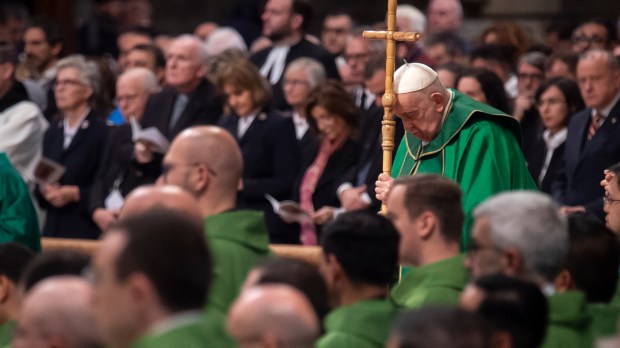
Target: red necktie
point(594, 125)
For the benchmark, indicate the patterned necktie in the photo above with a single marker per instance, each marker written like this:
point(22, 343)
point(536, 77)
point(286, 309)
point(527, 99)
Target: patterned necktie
point(594, 125)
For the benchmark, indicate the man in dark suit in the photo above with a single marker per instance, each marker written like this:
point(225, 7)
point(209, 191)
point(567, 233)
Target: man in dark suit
point(285, 23)
point(592, 143)
point(190, 99)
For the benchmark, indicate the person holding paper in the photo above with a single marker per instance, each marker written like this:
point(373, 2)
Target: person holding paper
point(125, 166)
point(267, 141)
point(75, 140)
point(334, 117)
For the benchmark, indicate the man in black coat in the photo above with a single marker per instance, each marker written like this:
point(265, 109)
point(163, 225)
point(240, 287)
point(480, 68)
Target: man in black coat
point(190, 99)
point(285, 23)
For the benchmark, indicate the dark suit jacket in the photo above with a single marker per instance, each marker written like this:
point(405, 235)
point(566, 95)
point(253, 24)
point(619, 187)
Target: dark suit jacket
point(579, 181)
point(204, 107)
point(304, 48)
point(339, 163)
point(536, 160)
point(270, 165)
point(81, 160)
point(118, 163)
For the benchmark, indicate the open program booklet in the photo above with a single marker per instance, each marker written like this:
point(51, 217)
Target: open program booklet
point(289, 211)
point(150, 135)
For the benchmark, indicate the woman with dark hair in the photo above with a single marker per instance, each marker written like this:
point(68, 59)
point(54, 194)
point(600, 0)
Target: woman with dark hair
point(484, 86)
point(557, 100)
point(267, 141)
point(334, 118)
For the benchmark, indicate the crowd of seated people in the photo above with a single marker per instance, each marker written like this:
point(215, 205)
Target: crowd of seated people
point(181, 154)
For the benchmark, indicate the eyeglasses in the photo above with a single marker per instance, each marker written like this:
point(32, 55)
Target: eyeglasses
point(337, 31)
point(293, 82)
point(357, 57)
point(128, 98)
point(67, 82)
point(167, 167)
point(523, 76)
point(583, 39)
point(610, 201)
point(475, 247)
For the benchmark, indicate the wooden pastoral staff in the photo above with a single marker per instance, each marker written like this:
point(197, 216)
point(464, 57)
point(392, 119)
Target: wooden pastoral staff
point(391, 36)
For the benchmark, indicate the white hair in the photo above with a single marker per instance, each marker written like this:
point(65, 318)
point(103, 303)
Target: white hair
point(415, 17)
point(203, 54)
point(222, 39)
point(88, 71)
point(147, 78)
point(530, 222)
point(314, 70)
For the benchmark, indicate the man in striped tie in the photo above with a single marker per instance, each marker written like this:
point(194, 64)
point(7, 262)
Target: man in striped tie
point(592, 143)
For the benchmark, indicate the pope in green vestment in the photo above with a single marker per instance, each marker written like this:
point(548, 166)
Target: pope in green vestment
point(364, 324)
point(569, 322)
point(478, 146)
point(438, 283)
point(18, 219)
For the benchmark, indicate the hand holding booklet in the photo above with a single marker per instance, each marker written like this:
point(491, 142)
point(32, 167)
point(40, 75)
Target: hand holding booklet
point(151, 135)
point(48, 171)
point(289, 211)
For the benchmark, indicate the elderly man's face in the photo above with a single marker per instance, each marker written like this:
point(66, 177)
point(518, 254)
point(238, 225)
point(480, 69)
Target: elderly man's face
point(115, 310)
point(183, 67)
point(131, 97)
point(420, 113)
point(484, 258)
point(443, 15)
point(529, 78)
point(598, 83)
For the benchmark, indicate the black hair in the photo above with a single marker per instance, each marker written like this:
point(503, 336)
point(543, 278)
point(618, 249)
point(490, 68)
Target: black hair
point(570, 90)
point(51, 28)
point(593, 257)
point(14, 258)
point(170, 249)
point(441, 327)
point(155, 51)
point(52, 263)
point(515, 306)
point(491, 85)
point(303, 8)
point(299, 274)
point(365, 244)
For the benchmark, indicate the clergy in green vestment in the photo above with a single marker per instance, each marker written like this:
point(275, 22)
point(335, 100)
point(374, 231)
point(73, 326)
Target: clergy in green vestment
point(14, 258)
point(524, 235)
point(450, 134)
point(360, 254)
point(426, 210)
point(152, 272)
point(592, 267)
point(18, 219)
point(238, 238)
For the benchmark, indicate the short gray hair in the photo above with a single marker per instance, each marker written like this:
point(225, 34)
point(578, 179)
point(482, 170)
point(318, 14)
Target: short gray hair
point(535, 59)
point(417, 19)
point(203, 53)
point(147, 78)
point(530, 222)
point(222, 39)
point(613, 63)
point(314, 70)
point(88, 70)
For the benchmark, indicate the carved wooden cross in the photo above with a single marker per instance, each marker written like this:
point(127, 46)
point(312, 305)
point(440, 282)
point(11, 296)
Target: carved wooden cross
point(388, 123)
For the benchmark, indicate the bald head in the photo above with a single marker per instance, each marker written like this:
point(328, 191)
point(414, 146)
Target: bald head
point(60, 310)
point(170, 197)
point(276, 314)
point(212, 148)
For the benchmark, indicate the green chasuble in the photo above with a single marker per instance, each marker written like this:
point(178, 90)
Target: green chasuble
point(433, 284)
point(365, 324)
point(18, 219)
point(6, 333)
point(604, 319)
point(569, 322)
point(478, 146)
point(237, 240)
point(188, 332)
